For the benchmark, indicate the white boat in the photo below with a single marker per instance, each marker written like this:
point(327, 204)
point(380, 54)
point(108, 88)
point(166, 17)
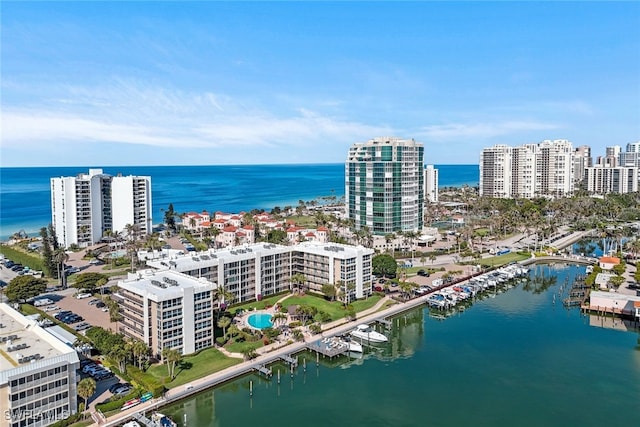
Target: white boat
point(131, 424)
point(366, 333)
point(162, 420)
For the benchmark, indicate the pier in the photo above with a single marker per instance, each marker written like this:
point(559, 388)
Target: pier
point(329, 347)
point(264, 370)
point(385, 322)
point(290, 360)
point(140, 418)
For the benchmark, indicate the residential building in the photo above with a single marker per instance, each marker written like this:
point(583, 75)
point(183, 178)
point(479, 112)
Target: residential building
point(254, 271)
point(612, 156)
point(530, 170)
point(601, 179)
point(384, 185)
point(300, 234)
point(85, 207)
point(37, 373)
point(631, 156)
point(582, 161)
point(165, 308)
point(431, 184)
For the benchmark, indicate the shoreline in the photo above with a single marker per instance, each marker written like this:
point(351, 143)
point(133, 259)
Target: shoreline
point(338, 327)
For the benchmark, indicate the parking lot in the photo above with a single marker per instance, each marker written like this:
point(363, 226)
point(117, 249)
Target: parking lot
point(91, 314)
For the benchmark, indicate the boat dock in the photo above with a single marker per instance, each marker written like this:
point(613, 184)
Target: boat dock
point(329, 347)
point(264, 371)
point(140, 418)
point(385, 322)
point(290, 360)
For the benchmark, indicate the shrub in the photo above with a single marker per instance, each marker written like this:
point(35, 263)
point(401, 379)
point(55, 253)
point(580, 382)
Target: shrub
point(221, 340)
point(295, 324)
point(146, 382)
point(68, 421)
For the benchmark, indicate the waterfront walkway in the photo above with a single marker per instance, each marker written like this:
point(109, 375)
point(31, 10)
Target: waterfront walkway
point(273, 352)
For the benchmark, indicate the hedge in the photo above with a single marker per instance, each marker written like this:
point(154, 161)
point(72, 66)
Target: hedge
point(19, 257)
point(147, 382)
point(112, 405)
point(68, 421)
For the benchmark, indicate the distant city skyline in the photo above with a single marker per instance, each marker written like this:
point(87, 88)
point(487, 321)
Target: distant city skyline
point(162, 83)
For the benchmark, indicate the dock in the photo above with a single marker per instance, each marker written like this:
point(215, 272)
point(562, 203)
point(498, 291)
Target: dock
point(385, 322)
point(290, 360)
point(140, 418)
point(329, 347)
point(264, 370)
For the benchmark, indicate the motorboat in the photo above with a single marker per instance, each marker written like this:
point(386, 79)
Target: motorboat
point(367, 333)
point(354, 346)
point(162, 420)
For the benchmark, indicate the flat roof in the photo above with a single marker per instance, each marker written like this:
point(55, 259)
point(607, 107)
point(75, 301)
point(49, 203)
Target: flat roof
point(163, 284)
point(23, 338)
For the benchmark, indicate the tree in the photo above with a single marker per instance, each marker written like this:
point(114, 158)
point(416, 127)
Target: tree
point(616, 281)
point(350, 313)
point(119, 355)
point(384, 265)
point(140, 350)
point(170, 218)
point(47, 254)
point(60, 257)
point(89, 281)
point(86, 388)
point(297, 280)
point(171, 357)
point(329, 291)
point(23, 288)
point(223, 323)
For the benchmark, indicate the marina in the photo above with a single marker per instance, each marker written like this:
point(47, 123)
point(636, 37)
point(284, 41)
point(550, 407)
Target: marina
point(425, 355)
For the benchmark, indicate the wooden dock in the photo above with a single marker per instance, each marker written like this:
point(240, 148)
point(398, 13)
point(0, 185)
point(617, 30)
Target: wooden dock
point(329, 347)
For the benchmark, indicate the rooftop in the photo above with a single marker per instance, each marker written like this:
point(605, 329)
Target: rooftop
point(23, 342)
point(163, 284)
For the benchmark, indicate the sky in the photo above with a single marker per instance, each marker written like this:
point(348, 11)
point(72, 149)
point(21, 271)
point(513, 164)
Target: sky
point(180, 83)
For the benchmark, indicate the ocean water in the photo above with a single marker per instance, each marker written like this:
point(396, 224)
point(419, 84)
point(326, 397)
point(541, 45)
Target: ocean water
point(25, 200)
point(514, 358)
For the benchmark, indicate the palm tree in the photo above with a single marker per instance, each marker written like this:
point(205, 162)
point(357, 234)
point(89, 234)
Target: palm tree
point(86, 388)
point(139, 350)
point(297, 279)
point(171, 357)
point(61, 257)
point(223, 323)
point(119, 355)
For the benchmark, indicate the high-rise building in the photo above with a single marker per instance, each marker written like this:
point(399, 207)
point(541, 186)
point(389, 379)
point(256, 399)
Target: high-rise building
point(605, 179)
point(384, 185)
point(85, 207)
point(37, 373)
point(166, 308)
point(431, 184)
point(531, 170)
point(582, 160)
point(631, 157)
point(612, 156)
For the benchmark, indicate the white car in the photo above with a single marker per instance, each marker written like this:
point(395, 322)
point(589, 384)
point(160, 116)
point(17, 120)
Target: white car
point(52, 308)
point(83, 295)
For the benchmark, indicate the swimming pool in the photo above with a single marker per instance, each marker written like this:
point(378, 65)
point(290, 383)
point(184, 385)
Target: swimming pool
point(260, 320)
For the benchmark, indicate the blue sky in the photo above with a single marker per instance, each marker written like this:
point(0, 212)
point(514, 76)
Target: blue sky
point(158, 83)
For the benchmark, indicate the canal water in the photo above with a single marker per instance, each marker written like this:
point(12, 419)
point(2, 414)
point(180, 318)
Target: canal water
point(511, 358)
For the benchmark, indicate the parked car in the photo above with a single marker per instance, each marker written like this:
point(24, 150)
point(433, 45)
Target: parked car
point(95, 261)
point(94, 301)
point(100, 304)
point(83, 295)
point(423, 273)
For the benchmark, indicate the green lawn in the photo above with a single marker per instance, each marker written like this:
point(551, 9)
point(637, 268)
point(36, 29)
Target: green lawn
point(239, 347)
point(258, 305)
point(335, 309)
point(503, 259)
point(303, 221)
point(194, 367)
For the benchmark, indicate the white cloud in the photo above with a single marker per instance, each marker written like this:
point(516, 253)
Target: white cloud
point(129, 113)
point(482, 130)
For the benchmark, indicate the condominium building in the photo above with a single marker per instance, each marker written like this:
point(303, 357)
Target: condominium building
point(581, 161)
point(37, 373)
point(631, 156)
point(384, 183)
point(530, 170)
point(165, 308)
point(85, 207)
point(260, 270)
point(431, 184)
point(603, 179)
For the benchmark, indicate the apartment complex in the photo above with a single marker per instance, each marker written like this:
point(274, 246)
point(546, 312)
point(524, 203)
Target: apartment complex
point(602, 179)
point(384, 185)
point(165, 308)
point(85, 207)
point(37, 373)
point(431, 184)
point(260, 270)
point(530, 170)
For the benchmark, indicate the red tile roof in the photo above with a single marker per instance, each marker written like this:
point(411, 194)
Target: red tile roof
point(230, 229)
point(610, 260)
